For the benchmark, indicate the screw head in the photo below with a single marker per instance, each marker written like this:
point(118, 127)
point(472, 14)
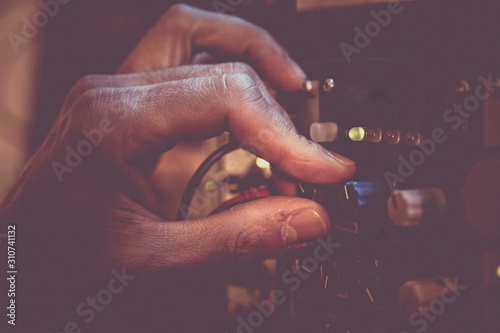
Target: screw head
point(328, 85)
point(307, 86)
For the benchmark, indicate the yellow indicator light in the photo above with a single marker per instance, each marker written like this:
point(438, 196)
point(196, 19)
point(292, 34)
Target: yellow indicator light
point(357, 134)
point(261, 163)
point(498, 272)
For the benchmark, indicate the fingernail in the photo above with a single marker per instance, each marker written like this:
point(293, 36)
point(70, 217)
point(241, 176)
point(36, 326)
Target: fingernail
point(340, 159)
point(305, 225)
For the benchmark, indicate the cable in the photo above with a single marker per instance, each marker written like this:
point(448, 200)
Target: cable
point(245, 196)
point(199, 174)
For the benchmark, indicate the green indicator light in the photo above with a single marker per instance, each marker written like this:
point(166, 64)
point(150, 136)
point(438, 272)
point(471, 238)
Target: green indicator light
point(357, 134)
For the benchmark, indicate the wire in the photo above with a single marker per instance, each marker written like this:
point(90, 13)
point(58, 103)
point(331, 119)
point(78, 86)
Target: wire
point(249, 195)
point(198, 177)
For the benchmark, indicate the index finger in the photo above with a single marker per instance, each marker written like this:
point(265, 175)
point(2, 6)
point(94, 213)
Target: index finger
point(153, 118)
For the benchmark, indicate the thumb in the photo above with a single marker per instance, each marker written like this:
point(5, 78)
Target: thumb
point(253, 231)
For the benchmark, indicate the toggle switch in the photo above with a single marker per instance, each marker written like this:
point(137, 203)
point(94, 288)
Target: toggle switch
point(412, 207)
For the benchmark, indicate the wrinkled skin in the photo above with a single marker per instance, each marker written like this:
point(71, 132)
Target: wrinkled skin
point(104, 215)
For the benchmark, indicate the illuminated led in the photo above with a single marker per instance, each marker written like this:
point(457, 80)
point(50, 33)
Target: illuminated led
point(357, 134)
point(498, 272)
point(324, 132)
point(261, 163)
point(393, 136)
point(374, 135)
point(413, 138)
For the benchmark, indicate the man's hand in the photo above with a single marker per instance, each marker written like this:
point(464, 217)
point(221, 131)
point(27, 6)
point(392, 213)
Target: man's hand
point(98, 210)
point(144, 114)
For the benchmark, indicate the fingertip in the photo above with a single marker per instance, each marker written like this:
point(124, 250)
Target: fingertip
point(345, 168)
point(298, 219)
point(306, 224)
point(341, 168)
point(280, 69)
point(298, 73)
point(340, 159)
point(291, 78)
point(314, 164)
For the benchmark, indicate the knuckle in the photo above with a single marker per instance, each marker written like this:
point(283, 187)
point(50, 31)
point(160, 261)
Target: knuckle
point(80, 87)
point(86, 82)
point(86, 107)
point(263, 36)
point(175, 14)
point(178, 9)
point(241, 67)
point(178, 19)
point(88, 99)
point(241, 87)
